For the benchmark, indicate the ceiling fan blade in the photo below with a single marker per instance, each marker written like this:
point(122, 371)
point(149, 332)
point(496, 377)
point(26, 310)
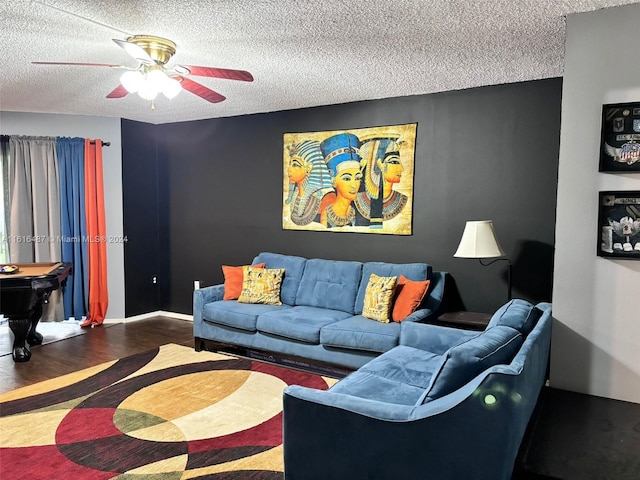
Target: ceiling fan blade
point(201, 91)
point(135, 51)
point(118, 92)
point(110, 65)
point(229, 74)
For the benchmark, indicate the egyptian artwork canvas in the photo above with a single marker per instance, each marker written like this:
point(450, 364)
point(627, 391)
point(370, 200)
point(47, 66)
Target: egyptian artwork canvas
point(358, 180)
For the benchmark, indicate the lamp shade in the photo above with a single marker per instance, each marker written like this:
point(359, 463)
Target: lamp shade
point(479, 241)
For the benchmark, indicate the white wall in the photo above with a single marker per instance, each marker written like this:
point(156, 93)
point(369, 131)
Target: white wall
point(596, 301)
point(108, 130)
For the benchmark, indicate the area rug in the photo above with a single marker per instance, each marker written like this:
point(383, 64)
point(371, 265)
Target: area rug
point(169, 413)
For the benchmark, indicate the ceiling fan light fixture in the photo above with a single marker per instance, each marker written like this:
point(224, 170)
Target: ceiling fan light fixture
point(171, 87)
point(161, 82)
point(148, 89)
point(132, 80)
point(149, 83)
point(156, 76)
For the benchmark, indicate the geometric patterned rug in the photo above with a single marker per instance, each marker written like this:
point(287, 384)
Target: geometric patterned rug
point(169, 413)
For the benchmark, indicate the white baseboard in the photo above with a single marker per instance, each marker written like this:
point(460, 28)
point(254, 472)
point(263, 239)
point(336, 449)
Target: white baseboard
point(180, 316)
point(144, 316)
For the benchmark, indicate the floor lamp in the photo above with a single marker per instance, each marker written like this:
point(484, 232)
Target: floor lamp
point(479, 241)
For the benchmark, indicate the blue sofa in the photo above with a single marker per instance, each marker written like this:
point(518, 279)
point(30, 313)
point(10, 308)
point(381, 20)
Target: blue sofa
point(320, 316)
point(446, 404)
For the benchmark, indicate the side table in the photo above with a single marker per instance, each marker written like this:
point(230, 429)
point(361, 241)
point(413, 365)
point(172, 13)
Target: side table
point(466, 320)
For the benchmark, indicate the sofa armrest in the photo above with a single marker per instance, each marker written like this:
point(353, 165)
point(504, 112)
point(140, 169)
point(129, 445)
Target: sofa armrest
point(433, 338)
point(433, 301)
point(420, 315)
point(203, 296)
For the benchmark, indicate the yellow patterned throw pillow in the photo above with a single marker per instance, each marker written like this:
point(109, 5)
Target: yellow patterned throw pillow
point(378, 298)
point(261, 285)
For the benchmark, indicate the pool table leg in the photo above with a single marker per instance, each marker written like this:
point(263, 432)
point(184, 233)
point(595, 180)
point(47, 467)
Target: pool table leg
point(20, 328)
point(24, 333)
point(33, 337)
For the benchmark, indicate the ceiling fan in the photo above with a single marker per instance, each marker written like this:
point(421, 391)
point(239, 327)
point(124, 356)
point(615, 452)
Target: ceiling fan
point(151, 76)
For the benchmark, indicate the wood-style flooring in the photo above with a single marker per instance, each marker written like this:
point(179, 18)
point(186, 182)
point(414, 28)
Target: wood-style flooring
point(97, 345)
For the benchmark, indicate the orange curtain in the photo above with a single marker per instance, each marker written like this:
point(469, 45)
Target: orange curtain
point(97, 233)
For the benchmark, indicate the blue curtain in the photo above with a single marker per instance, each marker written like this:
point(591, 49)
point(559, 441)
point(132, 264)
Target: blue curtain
point(70, 152)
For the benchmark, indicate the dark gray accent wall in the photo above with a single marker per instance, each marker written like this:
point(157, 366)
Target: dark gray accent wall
point(484, 153)
point(140, 216)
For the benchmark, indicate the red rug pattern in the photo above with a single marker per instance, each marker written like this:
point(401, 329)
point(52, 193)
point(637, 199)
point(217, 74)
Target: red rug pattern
point(170, 413)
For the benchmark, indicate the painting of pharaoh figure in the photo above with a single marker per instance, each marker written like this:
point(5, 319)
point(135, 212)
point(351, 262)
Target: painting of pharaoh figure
point(343, 161)
point(378, 201)
point(309, 182)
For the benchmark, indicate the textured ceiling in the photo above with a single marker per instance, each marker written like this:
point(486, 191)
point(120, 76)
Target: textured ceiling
point(302, 53)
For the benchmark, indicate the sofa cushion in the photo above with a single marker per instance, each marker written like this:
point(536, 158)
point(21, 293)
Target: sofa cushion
point(361, 333)
point(329, 284)
point(238, 315)
point(408, 296)
point(403, 364)
point(463, 362)
point(413, 271)
point(293, 268)
point(373, 387)
point(518, 314)
point(261, 285)
point(378, 298)
point(299, 323)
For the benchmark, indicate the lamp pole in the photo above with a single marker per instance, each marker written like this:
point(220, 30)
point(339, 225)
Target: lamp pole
point(509, 269)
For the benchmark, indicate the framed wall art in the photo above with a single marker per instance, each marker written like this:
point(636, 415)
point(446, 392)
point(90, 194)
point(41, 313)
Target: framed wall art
point(619, 224)
point(620, 138)
point(358, 180)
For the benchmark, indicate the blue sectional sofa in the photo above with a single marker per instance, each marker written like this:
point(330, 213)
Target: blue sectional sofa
point(321, 313)
point(445, 404)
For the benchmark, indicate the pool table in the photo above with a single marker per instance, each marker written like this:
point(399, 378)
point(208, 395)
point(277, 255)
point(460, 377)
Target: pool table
point(22, 294)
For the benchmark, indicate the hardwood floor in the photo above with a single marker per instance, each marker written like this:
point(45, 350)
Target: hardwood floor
point(98, 345)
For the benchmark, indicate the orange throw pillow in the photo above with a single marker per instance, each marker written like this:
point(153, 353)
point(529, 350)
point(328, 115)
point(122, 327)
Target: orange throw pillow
point(409, 294)
point(233, 280)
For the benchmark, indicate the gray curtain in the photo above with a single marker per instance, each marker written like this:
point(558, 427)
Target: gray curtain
point(4, 201)
point(35, 207)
